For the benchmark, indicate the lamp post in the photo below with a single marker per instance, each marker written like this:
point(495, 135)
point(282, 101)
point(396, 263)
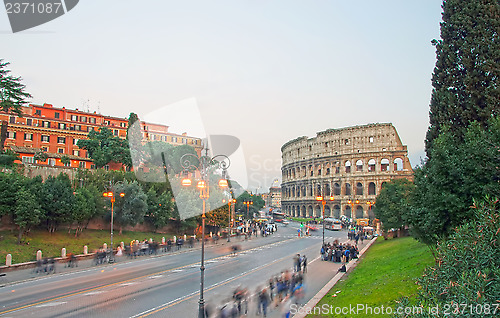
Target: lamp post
point(248, 203)
point(203, 184)
point(370, 203)
point(231, 204)
point(111, 195)
point(352, 202)
point(323, 202)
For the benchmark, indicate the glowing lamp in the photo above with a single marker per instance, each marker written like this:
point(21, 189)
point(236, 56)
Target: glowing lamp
point(201, 184)
point(223, 183)
point(186, 182)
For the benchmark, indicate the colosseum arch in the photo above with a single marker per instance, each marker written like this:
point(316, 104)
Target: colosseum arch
point(317, 210)
point(359, 165)
point(347, 165)
point(398, 164)
point(336, 188)
point(359, 212)
point(304, 213)
point(372, 165)
point(372, 190)
point(310, 211)
point(384, 164)
point(336, 211)
point(328, 212)
point(348, 190)
point(347, 211)
point(359, 188)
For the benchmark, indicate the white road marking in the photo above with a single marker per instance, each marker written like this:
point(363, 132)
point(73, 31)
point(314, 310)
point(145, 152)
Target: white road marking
point(52, 304)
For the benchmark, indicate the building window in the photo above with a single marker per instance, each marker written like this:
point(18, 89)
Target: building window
point(106, 167)
point(38, 112)
point(371, 139)
point(107, 122)
point(62, 126)
point(115, 132)
point(74, 118)
point(83, 119)
point(92, 166)
point(67, 164)
point(75, 141)
point(81, 164)
point(92, 120)
point(174, 139)
point(184, 140)
point(60, 150)
point(45, 124)
point(45, 138)
point(76, 153)
point(25, 159)
point(29, 122)
point(52, 162)
point(61, 140)
point(28, 136)
point(78, 127)
point(11, 135)
point(45, 149)
point(346, 141)
point(123, 124)
point(56, 115)
point(12, 120)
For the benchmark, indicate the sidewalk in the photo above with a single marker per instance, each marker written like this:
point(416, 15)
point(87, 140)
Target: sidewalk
point(316, 298)
point(13, 275)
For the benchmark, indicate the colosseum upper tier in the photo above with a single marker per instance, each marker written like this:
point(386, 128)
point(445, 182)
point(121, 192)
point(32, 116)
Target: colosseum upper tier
point(345, 166)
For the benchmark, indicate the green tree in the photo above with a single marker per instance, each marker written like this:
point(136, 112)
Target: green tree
point(88, 204)
point(65, 160)
point(10, 183)
point(131, 209)
point(12, 97)
point(8, 157)
point(27, 212)
point(394, 203)
point(160, 208)
point(40, 156)
point(104, 148)
point(57, 201)
point(466, 78)
point(467, 269)
point(457, 174)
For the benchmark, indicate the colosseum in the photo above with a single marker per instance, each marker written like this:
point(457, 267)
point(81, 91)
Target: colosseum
point(345, 166)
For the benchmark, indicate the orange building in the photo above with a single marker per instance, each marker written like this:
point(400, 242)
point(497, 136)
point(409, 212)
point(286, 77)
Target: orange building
point(56, 131)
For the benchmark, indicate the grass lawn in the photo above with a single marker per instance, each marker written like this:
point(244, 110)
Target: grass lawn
point(305, 219)
point(51, 244)
point(387, 271)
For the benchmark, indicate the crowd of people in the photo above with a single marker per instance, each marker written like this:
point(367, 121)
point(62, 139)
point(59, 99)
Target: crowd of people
point(278, 293)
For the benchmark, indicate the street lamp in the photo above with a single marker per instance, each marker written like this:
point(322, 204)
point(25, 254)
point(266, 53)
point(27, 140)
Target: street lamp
point(231, 204)
point(352, 202)
point(248, 203)
point(111, 195)
point(370, 203)
point(323, 202)
point(204, 162)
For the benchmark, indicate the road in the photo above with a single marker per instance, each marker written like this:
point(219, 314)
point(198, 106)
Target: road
point(168, 285)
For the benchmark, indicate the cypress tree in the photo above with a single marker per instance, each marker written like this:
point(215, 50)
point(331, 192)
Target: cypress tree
point(466, 77)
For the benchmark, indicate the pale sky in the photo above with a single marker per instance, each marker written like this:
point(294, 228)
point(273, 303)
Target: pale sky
point(263, 71)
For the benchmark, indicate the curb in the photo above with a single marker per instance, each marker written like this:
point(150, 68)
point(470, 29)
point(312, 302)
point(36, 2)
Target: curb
point(316, 298)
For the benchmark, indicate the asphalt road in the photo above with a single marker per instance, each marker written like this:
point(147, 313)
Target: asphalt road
point(166, 285)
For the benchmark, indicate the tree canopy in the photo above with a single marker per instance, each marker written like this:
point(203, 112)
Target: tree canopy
point(466, 78)
point(103, 147)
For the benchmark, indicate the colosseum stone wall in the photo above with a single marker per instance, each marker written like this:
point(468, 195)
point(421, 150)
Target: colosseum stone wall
point(345, 166)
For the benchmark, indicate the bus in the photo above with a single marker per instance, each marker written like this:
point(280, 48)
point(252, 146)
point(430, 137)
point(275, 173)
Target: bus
point(278, 217)
point(333, 224)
